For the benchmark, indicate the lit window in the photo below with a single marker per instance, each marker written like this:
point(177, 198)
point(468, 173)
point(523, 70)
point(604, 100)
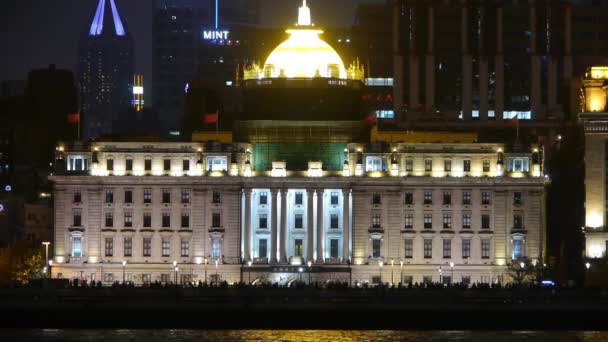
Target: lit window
point(485, 248)
point(447, 220)
point(166, 247)
point(409, 220)
point(486, 165)
point(128, 219)
point(263, 198)
point(409, 249)
point(375, 164)
point(428, 248)
point(185, 248)
point(216, 248)
point(147, 196)
point(466, 248)
point(428, 220)
point(466, 197)
point(109, 247)
point(185, 196)
point(428, 197)
point(334, 198)
point(78, 163)
point(147, 248)
point(518, 165)
point(217, 163)
point(376, 248)
point(466, 221)
point(518, 245)
point(76, 246)
point(447, 248)
point(376, 220)
point(128, 247)
point(485, 197)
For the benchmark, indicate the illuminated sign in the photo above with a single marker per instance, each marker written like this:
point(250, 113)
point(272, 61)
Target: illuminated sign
point(8, 188)
point(215, 35)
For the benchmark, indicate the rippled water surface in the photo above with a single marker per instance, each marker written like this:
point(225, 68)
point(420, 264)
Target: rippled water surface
point(295, 335)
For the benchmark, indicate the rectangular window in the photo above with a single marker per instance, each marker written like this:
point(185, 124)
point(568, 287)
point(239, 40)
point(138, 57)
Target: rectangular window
point(77, 197)
point(447, 198)
point(216, 248)
point(428, 220)
point(110, 165)
point(147, 196)
point(334, 221)
point(108, 278)
point(109, 219)
point(129, 165)
point(485, 249)
point(517, 198)
point(374, 164)
point(485, 197)
point(466, 165)
point(185, 248)
point(185, 196)
point(216, 221)
point(518, 165)
point(447, 165)
point(447, 248)
point(185, 165)
point(298, 221)
point(128, 246)
point(128, 196)
point(409, 164)
point(428, 248)
point(216, 197)
point(147, 251)
point(518, 249)
point(409, 198)
point(376, 198)
point(334, 198)
point(518, 221)
point(148, 165)
point(409, 220)
point(299, 198)
point(466, 280)
point(466, 221)
point(466, 248)
point(166, 247)
point(128, 219)
point(408, 251)
point(376, 221)
point(263, 248)
point(185, 220)
point(167, 165)
point(466, 197)
point(166, 196)
point(263, 198)
point(166, 221)
point(165, 278)
point(263, 221)
point(217, 164)
point(485, 221)
point(109, 196)
point(333, 248)
point(486, 165)
point(76, 246)
point(109, 247)
point(298, 249)
point(447, 220)
point(376, 248)
point(147, 220)
point(428, 197)
point(146, 278)
point(428, 165)
point(77, 219)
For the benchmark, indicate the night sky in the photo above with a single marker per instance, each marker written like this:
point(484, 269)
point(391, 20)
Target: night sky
point(36, 33)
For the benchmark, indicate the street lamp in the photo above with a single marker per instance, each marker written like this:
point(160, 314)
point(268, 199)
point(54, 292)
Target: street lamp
point(392, 273)
point(46, 254)
point(249, 264)
point(300, 270)
point(124, 264)
point(587, 265)
point(452, 273)
point(522, 265)
point(176, 269)
point(401, 276)
point(380, 264)
point(309, 269)
point(440, 275)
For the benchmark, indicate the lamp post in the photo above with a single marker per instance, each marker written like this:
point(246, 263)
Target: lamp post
point(46, 254)
point(249, 276)
point(440, 275)
point(309, 270)
point(300, 270)
point(452, 271)
point(380, 264)
point(176, 269)
point(124, 264)
point(401, 277)
point(392, 272)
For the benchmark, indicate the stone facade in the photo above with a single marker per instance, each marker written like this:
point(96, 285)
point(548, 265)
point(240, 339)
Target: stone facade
point(195, 212)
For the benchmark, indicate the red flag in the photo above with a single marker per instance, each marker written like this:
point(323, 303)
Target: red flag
point(211, 118)
point(514, 121)
point(74, 118)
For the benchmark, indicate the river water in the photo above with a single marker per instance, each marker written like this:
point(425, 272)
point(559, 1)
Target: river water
point(296, 335)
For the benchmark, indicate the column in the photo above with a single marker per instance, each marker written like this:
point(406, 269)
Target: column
point(283, 236)
point(247, 242)
point(345, 225)
point(273, 232)
point(310, 224)
point(320, 227)
point(535, 98)
point(467, 65)
point(499, 62)
point(430, 60)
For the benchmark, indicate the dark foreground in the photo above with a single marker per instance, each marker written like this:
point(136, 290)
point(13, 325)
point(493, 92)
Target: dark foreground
point(308, 308)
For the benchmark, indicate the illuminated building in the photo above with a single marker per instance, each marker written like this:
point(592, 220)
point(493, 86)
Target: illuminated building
point(594, 118)
point(138, 93)
point(287, 193)
point(105, 70)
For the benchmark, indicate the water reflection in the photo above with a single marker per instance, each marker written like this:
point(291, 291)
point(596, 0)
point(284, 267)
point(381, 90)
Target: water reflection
point(120, 335)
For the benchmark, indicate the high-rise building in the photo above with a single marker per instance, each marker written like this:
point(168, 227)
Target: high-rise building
point(105, 70)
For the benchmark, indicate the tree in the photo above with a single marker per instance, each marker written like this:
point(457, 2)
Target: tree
point(521, 271)
point(20, 263)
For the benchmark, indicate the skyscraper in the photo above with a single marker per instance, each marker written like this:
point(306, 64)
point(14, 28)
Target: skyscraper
point(105, 70)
